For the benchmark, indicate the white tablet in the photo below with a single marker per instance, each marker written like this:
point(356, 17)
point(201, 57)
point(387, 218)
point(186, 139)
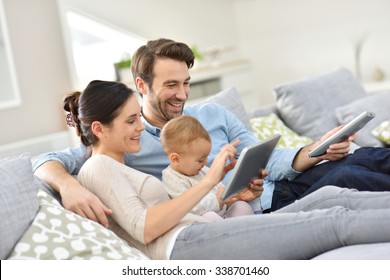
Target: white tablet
point(350, 128)
point(251, 160)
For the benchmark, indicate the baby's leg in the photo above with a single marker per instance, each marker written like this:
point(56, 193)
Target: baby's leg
point(212, 216)
point(239, 208)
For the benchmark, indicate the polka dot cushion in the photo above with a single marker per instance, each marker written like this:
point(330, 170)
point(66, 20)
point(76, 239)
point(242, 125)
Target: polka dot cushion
point(269, 125)
point(57, 233)
point(382, 132)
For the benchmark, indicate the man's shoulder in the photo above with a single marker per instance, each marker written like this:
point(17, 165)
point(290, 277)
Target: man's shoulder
point(195, 109)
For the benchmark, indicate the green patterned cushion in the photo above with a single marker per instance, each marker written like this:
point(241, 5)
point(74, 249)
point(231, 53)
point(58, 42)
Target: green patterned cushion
point(382, 132)
point(267, 126)
point(57, 233)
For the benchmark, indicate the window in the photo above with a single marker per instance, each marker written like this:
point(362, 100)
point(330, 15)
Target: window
point(95, 46)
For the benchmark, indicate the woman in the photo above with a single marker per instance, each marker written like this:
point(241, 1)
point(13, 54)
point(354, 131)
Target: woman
point(107, 118)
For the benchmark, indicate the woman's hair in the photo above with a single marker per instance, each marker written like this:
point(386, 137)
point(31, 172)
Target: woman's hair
point(100, 101)
point(143, 60)
point(179, 132)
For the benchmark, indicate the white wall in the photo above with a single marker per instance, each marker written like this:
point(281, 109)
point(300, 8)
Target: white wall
point(41, 70)
point(41, 60)
point(286, 40)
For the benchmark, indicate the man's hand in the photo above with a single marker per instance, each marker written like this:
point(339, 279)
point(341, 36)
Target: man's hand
point(74, 196)
point(253, 191)
point(339, 150)
point(79, 200)
point(336, 151)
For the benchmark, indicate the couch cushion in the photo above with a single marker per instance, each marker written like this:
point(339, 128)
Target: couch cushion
point(57, 233)
point(230, 99)
point(377, 103)
point(382, 132)
point(308, 106)
point(375, 251)
point(267, 126)
point(18, 201)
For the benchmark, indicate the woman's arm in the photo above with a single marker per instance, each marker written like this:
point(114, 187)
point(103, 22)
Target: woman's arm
point(164, 216)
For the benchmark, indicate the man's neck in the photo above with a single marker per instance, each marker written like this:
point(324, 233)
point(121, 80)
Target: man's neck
point(151, 120)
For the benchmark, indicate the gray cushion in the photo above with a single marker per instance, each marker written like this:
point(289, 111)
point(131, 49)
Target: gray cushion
point(18, 201)
point(375, 251)
point(377, 103)
point(230, 99)
point(308, 106)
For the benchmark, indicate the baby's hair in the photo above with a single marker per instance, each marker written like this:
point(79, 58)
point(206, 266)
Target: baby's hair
point(181, 131)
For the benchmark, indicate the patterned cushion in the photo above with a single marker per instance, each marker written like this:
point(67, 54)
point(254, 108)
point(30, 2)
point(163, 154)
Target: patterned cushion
point(57, 233)
point(267, 126)
point(382, 132)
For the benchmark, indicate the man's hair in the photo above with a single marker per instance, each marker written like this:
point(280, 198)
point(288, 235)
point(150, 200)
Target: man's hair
point(179, 132)
point(143, 60)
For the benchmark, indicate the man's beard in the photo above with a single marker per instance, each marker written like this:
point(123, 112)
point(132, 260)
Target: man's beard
point(160, 107)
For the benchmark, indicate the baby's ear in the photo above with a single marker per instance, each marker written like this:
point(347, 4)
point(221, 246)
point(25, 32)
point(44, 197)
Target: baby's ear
point(174, 158)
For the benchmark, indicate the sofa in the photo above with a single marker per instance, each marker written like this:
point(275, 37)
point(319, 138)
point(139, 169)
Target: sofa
point(36, 226)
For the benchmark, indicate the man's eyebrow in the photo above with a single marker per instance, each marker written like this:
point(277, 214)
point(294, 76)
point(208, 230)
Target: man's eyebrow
point(175, 81)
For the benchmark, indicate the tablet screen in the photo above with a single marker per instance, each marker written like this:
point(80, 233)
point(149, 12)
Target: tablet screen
point(251, 160)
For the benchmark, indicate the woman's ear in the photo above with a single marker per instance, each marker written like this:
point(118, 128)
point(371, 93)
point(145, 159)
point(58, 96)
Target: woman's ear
point(97, 129)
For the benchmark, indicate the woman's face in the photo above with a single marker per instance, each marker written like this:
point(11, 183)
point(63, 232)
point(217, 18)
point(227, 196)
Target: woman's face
point(124, 133)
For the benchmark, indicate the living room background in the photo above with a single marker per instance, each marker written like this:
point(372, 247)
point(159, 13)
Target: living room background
point(283, 41)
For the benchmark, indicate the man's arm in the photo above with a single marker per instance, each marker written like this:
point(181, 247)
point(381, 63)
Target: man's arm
point(336, 151)
point(53, 169)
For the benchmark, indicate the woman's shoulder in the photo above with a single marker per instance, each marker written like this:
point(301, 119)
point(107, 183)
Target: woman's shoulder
point(105, 164)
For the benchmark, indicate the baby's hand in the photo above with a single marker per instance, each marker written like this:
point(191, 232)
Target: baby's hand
point(219, 194)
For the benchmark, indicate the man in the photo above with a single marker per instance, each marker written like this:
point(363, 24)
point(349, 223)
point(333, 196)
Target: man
point(161, 74)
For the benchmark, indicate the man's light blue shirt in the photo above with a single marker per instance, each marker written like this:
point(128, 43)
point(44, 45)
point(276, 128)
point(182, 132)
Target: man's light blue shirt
point(223, 127)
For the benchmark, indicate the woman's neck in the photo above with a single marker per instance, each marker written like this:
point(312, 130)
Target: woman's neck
point(114, 155)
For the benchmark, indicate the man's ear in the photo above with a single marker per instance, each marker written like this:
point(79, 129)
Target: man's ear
point(97, 129)
point(141, 86)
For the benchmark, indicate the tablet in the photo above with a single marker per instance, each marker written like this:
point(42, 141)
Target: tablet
point(350, 128)
point(251, 160)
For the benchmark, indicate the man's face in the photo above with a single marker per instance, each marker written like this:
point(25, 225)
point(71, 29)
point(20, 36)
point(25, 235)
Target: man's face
point(170, 89)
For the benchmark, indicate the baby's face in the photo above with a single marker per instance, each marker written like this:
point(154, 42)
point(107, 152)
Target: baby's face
point(194, 158)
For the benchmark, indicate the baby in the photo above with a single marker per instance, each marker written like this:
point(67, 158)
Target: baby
point(187, 145)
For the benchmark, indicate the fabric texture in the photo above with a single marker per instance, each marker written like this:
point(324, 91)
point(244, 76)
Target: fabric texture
point(176, 184)
point(18, 201)
point(307, 106)
point(231, 100)
point(129, 193)
point(377, 103)
point(382, 132)
point(58, 234)
point(267, 126)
